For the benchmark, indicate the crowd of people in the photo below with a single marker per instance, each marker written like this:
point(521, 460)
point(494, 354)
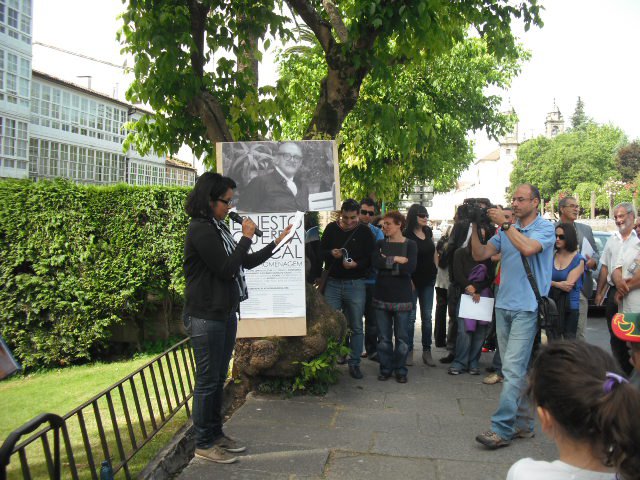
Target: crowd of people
point(513, 256)
point(583, 397)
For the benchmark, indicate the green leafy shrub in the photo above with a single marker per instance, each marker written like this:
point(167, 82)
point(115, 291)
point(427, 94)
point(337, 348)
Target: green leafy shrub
point(75, 260)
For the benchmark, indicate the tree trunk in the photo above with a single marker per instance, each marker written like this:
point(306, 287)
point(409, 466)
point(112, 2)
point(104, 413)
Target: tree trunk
point(339, 94)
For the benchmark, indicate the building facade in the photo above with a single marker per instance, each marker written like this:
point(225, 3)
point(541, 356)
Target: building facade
point(490, 176)
point(51, 128)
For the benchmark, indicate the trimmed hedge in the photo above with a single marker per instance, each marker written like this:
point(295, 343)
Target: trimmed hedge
point(76, 259)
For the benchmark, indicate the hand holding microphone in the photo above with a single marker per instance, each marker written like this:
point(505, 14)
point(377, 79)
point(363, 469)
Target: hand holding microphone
point(248, 227)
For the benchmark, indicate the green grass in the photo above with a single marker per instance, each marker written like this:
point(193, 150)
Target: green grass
point(60, 391)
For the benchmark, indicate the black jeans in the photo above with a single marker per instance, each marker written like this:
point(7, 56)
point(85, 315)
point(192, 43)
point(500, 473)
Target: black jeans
point(212, 342)
point(618, 347)
point(440, 321)
point(370, 323)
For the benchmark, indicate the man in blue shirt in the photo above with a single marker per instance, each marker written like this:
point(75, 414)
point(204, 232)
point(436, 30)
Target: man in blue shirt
point(516, 307)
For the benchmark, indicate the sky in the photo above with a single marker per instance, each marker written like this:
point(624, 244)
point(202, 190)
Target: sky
point(587, 48)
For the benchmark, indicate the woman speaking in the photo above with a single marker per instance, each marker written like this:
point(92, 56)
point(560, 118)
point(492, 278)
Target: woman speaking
point(215, 286)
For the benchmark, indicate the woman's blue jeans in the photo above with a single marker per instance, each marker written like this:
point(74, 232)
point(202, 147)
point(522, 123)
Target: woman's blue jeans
point(425, 295)
point(392, 358)
point(212, 342)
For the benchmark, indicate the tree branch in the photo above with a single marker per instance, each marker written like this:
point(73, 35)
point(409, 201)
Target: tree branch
point(336, 20)
point(198, 13)
point(320, 28)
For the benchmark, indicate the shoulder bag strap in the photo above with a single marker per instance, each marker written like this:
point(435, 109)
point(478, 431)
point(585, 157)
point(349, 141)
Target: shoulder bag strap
point(532, 279)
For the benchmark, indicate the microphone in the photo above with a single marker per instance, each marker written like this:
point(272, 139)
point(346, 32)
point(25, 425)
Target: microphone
point(238, 219)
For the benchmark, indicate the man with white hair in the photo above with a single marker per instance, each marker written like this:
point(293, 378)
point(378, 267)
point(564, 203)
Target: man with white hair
point(624, 216)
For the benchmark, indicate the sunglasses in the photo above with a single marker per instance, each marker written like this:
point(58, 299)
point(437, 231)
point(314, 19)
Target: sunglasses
point(422, 215)
point(560, 237)
point(367, 212)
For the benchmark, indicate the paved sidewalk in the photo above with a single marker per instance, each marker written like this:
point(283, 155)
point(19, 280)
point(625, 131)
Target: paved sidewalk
point(367, 429)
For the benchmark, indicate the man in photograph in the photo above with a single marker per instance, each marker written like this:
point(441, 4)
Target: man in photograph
point(278, 191)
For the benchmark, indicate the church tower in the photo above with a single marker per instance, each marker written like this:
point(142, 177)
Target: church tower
point(554, 123)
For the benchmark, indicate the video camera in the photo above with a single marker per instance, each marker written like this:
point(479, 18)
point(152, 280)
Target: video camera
point(475, 210)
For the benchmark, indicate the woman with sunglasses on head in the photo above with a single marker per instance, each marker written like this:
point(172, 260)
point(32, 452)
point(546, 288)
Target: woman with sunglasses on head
point(215, 286)
point(424, 279)
point(395, 259)
point(589, 410)
point(566, 279)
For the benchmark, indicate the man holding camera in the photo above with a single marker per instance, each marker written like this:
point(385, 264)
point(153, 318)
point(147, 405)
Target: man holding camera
point(516, 307)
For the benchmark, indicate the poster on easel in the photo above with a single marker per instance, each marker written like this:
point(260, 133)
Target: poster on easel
point(277, 304)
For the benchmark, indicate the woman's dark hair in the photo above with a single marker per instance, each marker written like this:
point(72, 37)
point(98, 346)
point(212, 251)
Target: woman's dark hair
point(568, 380)
point(397, 217)
point(570, 236)
point(412, 219)
point(210, 186)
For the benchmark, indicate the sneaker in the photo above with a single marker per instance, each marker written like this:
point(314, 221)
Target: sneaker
point(524, 434)
point(492, 440)
point(215, 454)
point(355, 372)
point(454, 371)
point(401, 378)
point(229, 444)
point(341, 360)
point(492, 379)
point(448, 359)
point(474, 371)
point(427, 359)
point(383, 377)
point(409, 361)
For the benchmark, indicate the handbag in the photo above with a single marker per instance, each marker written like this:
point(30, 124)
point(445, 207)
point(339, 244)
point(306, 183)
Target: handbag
point(548, 315)
point(321, 283)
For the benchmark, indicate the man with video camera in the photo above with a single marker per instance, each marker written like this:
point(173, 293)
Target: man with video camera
point(531, 238)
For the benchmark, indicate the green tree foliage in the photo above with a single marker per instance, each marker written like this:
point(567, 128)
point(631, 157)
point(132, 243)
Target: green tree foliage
point(628, 161)
point(621, 193)
point(579, 119)
point(410, 127)
point(191, 58)
point(561, 163)
point(75, 260)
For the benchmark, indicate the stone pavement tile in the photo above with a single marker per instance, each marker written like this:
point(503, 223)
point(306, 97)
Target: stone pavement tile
point(477, 406)
point(305, 436)
point(343, 466)
point(449, 447)
point(375, 421)
point(418, 402)
point(258, 410)
point(447, 469)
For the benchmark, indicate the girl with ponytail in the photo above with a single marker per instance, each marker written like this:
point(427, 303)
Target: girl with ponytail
point(590, 411)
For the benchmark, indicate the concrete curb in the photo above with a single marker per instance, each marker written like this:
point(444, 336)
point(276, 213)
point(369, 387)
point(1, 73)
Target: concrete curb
point(177, 454)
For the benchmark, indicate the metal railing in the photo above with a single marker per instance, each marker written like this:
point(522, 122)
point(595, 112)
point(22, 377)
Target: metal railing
point(142, 403)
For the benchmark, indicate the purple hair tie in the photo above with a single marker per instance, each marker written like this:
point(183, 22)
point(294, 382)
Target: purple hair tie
point(611, 380)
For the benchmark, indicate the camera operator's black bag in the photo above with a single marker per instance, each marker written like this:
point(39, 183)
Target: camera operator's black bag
point(548, 316)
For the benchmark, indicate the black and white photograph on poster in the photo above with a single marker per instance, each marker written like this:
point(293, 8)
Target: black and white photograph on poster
point(282, 176)
point(276, 305)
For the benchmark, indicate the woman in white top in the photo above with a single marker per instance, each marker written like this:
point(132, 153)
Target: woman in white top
point(590, 411)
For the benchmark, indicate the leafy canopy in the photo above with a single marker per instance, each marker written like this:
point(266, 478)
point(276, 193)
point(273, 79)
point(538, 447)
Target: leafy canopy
point(569, 159)
point(191, 58)
point(410, 127)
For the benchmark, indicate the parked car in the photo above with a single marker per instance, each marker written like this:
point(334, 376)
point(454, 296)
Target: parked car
point(601, 239)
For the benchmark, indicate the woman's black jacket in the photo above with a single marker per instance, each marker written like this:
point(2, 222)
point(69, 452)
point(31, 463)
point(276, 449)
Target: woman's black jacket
point(211, 291)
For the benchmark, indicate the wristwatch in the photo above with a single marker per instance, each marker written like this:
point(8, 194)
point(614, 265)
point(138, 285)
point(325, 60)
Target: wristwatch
point(505, 226)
